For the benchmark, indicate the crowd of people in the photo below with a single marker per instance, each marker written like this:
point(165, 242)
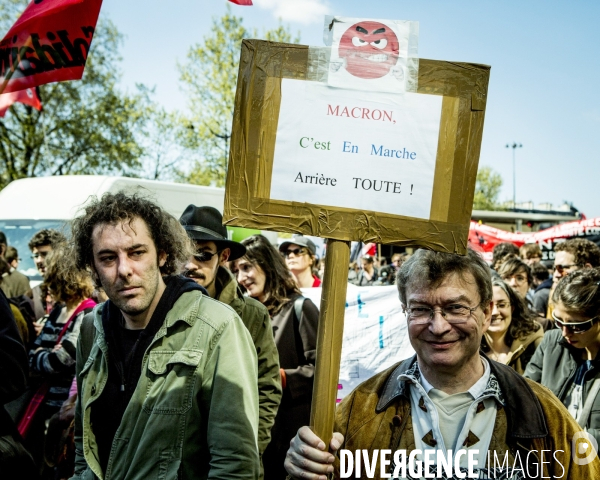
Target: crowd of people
point(157, 347)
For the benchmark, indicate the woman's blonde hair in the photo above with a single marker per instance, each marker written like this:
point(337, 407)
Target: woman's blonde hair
point(64, 280)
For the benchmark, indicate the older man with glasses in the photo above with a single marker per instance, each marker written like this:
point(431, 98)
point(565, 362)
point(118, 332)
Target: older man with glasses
point(448, 398)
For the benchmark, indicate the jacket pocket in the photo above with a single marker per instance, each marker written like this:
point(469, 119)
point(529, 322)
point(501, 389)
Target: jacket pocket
point(172, 379)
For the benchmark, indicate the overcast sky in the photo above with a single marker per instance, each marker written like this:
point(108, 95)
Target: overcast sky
point(544, 86)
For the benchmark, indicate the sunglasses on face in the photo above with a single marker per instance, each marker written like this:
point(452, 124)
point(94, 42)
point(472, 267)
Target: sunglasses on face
point(575, 327)
point(562, 268)
point(205, 256)
point(296, 251)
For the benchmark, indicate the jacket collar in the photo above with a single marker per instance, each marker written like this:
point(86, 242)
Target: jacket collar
point(227, 286)
point(518, 345)
point(525, 415)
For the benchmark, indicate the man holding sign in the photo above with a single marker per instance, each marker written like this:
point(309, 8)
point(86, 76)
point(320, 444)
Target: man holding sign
point(449, 409)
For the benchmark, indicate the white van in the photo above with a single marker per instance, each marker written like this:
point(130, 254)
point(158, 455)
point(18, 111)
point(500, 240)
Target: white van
point(32, 204)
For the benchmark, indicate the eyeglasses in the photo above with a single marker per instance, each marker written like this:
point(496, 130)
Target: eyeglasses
point(296, 251)
point(205, 256)
point(575, 327)
point(561, 268)
point(454, 314)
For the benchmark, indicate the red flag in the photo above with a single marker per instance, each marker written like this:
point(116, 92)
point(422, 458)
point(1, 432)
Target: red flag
point(48, 43)
point(242, 2)
point(28, 97)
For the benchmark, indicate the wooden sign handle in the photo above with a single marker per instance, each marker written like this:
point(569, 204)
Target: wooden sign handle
point(329, 338)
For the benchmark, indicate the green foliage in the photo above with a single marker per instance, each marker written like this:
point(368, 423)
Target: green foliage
point(210, 78)
point(487, 189)
point(85, 127)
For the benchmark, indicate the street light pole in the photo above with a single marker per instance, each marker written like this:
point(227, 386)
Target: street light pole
point(514, 146)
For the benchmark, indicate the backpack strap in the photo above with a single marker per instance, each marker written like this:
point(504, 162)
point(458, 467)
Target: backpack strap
point(298, 303)
point(87, 334)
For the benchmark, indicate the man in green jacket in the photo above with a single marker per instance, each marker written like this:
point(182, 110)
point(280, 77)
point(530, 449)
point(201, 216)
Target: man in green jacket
point(166, 375)
point(204, 226)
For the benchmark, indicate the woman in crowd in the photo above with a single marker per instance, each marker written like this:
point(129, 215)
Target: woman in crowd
point(52, 358)
point(513, 335)
point(301, 257)
point(518, 275)
point(265, 276)
point(566, 361)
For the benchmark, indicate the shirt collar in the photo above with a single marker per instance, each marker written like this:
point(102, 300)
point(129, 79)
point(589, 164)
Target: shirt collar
point(475, 391)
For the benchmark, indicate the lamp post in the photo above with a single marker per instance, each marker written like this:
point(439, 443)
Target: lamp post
point(514, 146)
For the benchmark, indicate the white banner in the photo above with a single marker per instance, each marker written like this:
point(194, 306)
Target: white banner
point(354, 149)
point(375, 333)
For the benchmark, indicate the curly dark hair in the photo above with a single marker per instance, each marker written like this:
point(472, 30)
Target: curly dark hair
point(579, 292)
point(166, 232)
point(47, 236)
point(522, 323)
point(64, 280)
point(279, 282)
point(584, 251)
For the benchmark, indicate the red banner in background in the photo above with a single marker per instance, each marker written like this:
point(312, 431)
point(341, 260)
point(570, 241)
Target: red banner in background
point(48, 43)
point(28, 96)
point(484, 238)
point(242, 2)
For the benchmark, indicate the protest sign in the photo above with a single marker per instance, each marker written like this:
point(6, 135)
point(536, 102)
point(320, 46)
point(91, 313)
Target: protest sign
point(347, 178)
point(48, 43)
point(342, 162)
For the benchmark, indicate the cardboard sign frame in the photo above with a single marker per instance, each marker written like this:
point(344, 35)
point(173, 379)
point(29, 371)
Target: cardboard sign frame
point(247, 204)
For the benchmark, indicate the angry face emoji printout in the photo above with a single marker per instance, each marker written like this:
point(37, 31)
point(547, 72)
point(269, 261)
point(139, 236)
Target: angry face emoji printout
point(370, 49)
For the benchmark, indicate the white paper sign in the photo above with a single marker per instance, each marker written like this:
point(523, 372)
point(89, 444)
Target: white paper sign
point(363, 150)
point(375, 333)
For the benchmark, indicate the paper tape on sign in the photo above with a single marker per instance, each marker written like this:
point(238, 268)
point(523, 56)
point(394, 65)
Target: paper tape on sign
point(352, 149)
point(375, 333)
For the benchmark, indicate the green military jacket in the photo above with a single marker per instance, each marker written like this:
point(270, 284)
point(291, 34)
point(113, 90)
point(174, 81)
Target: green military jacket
point(256, 318)
point(194, 412)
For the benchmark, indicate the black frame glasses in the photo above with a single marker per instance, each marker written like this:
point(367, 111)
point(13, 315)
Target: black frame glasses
point(205, 256)
point(562, 268)
point(575, 327)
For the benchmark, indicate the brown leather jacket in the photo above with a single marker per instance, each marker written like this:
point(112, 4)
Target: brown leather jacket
point(376, 415)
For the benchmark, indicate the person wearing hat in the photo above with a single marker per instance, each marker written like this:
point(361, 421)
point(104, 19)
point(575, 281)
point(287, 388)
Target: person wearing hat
point(213, 249)
point(300, 256)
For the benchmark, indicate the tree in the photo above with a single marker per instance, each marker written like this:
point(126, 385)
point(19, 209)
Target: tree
point(487, 189)
point(210, 78)
point(85, 127)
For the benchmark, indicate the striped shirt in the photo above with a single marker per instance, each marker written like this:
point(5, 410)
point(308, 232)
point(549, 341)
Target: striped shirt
point(56, 367)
